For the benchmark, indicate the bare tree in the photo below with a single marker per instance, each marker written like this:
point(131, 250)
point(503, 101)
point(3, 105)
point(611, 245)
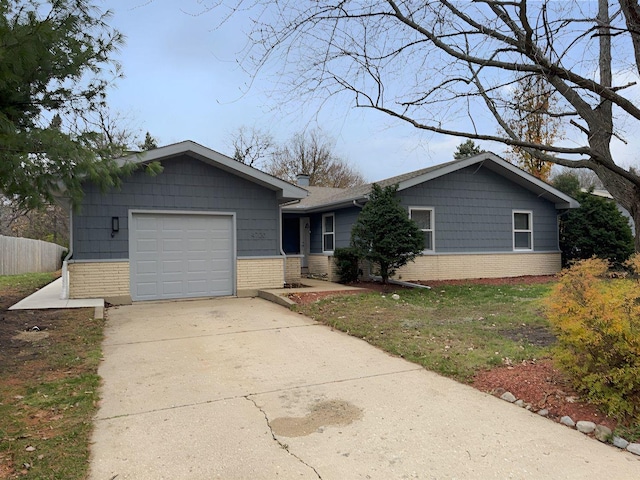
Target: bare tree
point(49, 222)
point(114, 133)
point(251, 145)
point(312, 154)
point(443, 66)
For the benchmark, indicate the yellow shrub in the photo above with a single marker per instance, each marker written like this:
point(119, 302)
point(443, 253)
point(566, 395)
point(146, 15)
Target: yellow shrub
point(597, 323)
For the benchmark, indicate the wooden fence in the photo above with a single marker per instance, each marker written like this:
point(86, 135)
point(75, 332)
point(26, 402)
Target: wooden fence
point(24, 255)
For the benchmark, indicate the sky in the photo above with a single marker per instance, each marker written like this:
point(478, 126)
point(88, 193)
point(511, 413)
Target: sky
point(182, 82)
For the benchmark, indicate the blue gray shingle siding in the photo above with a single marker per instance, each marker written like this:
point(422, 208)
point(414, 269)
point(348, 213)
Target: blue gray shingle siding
point(344, 220)
point(186, 184)
point(473, 213)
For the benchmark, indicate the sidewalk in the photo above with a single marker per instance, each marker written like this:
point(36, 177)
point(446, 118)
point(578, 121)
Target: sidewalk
point(49, 297)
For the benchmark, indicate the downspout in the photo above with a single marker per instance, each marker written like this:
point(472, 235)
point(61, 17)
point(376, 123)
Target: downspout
point(356, 204)
point(64, 294)
point(284, 255)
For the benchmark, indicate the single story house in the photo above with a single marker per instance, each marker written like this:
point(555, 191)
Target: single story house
point(481, 217)
point(206, 226)
point(211, 226)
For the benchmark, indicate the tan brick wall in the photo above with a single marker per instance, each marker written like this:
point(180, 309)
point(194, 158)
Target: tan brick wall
point(452, 267)
point(292, 273)
point(254, 273)
point(323, 265)
point(98, 279)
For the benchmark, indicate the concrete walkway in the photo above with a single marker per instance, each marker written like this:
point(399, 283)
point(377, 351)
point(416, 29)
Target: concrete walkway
point(49, 297)
point(245, 389)
point(310, 285)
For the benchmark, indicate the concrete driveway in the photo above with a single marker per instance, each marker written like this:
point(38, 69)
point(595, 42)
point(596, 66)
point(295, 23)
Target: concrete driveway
point(245, 389)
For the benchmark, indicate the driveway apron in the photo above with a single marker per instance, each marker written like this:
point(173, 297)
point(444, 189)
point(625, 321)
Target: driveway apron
point(245, 389)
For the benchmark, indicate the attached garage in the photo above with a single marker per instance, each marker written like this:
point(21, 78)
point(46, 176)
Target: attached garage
point(206, 226)
point(181, 255)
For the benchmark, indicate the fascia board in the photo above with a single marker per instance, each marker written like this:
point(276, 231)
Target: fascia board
point(287, 190)
point(325, 206)
point(522, 178)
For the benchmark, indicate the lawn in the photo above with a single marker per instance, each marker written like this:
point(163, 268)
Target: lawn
point(48, 385)
point(454, 330)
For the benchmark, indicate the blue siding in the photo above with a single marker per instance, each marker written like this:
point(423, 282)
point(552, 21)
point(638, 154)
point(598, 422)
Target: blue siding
point(344, 220)
point(185, 184)
point(473, 212)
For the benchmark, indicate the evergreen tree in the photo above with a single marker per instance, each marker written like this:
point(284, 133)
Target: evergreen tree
point(384, 234)
point(467, 149)
point(55, 56)
point(567, 182)
point(597, 228)
point(150, 143)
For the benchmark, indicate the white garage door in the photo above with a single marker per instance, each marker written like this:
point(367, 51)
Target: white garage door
point(181, 255)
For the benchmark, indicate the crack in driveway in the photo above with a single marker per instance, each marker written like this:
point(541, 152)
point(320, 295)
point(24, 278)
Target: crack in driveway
point(284, 446)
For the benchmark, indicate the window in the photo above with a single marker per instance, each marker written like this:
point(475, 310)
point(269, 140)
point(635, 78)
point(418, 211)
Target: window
point(328, 232)
point(522, 230)
point(424, 218)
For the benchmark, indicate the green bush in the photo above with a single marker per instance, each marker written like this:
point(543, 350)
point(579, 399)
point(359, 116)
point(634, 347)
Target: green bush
point(596, 228)
point(597, 322)
point(347, 264)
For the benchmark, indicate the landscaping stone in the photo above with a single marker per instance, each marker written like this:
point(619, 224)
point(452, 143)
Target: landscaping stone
point(585, 427)
point(543, 412)
point(602, 433)
point(519, 403)
point(620, 442)
point(508, 397)
point(634, 448)
point(568, 421)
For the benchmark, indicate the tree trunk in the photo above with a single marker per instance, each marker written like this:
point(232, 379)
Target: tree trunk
point(384, 273)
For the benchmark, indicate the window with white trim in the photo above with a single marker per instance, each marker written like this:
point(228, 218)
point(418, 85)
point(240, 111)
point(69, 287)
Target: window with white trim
point(328, 232)
point(522, 230)
point(424, 217)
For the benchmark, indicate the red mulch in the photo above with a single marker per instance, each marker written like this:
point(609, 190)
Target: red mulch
point(543, 386)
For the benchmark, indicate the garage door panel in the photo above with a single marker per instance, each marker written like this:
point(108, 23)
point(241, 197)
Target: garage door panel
point(147, 245)
point(198, 266)
point(185, 256)
point(147, 267)
point(172, 266)
point(148, 289)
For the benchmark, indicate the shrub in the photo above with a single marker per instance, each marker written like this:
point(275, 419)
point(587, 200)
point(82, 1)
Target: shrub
point(596, 228)
point(384, 234)
point(347, 264)
point(597, 323)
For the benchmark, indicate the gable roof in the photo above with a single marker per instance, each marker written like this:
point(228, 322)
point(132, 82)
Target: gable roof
point(346, 197)
point(286, 191)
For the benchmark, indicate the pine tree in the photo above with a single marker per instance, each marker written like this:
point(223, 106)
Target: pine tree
point(55, 57)
point(384, 234)
point(467, 149)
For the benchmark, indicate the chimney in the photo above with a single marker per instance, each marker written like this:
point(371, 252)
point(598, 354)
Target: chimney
point(303, 180)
